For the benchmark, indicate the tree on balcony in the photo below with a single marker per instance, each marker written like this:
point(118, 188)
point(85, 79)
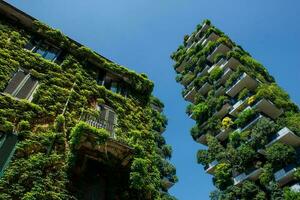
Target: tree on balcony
point(280, 155)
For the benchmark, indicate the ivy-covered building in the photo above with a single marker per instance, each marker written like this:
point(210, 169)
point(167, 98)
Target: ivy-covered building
point(249, 124)
point(73, 124)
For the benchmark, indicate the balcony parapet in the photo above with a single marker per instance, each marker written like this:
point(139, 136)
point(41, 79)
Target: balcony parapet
point(285, 175)
point(286, 136)
point(224, 133)
point(210, 168)
point(203, 28)
point(295, 187)
point(252, 174)
point(231, 63)
point(205, 88)
point(220, 49)
point(268, 108)
point(223, 111)
point(190, 96)
point(244, 81)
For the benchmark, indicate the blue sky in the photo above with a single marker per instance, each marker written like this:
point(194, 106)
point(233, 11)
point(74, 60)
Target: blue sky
point(142, 34)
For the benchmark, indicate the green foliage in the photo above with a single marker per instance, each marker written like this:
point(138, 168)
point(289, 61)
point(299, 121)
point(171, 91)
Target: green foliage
point(244, 93)
point(216, 73)
point(288, 194)
point(60, 123)
point(200, 111)
point(41, 165)
point(291, 121)
point(24, 126)
point(6, 127)
point(81, 132)
point(240, 153)
point(167, 151)
point(262, 130)
point(215, 150)
point(245, 117)
point(203, 157)
point(280, 155)
point(266, 177)
point(222, 178)
point(276, 95)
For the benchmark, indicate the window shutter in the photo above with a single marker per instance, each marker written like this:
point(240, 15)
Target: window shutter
point(111, 117)
point(103, 113)
point(15, 82)
point(28, 88)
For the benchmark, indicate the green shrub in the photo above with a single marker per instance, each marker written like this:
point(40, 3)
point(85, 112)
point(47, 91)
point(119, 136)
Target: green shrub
point(82, 128)
point(245, 117)
point(200, 111)
point(216, 73)
point(203, 157)
point(223, 176)
point(60, 123)
point(24, 125)
point(280, 155)
point(244, 93)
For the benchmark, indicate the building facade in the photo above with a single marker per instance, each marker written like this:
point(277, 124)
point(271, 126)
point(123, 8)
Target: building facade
point(249, 124)
point(73, 124)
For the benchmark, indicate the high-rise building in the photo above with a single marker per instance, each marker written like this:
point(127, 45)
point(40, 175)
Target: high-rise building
point(73, 124)
point(249, 124)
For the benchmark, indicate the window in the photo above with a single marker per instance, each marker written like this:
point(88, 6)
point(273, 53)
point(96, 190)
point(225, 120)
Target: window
point(111, 83)
point(22, 85)
point(45, 49)
point(8, 142)
point(109, 116)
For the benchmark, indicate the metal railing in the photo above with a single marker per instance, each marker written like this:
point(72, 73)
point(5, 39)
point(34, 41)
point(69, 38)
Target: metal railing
point(98, 122)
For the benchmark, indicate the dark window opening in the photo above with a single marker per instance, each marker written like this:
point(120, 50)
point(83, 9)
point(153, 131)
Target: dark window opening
point(98, 181)
point(46, 50)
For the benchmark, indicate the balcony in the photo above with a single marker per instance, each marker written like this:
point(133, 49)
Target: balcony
point(167, 183)
point(202, 139)
point(238, 107)
point(223, 135)
point(205, 88)
point(252, 123)
point(285, 136)
point(221, 49)
point(253, 175)
point(181, 67)
point(218, 64)
point(295, 187)
point(203, 28)
point(222, 80)
point(203, 72)
point(285, 175)
point(220, 91)
point(187, 78)
point(244, 81)
point(190, 96)
point(268, 108)
point(210, 168)
point(190, 41)
point(212, 37)
point(92, 149)
point(232, 63)
point(223, 111)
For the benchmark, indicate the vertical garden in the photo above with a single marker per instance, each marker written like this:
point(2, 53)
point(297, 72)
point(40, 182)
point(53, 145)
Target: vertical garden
point(249, 124)
point(65, 81)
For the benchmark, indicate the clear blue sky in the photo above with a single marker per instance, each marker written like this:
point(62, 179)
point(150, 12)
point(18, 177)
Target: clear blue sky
point(142, 34)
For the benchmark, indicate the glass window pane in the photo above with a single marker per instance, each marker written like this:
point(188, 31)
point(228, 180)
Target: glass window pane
point(107, 83)
point(42, 49)
point(51, 53)
point(114, 87)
